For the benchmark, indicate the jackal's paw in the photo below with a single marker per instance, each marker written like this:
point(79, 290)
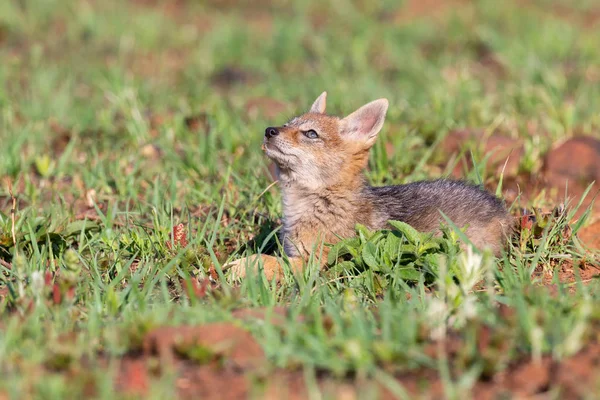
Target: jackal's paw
point(240, 267)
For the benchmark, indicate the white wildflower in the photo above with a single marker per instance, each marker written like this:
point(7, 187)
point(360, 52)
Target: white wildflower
point(469, 307)
point(467, 310)
point(437, 313)
point(37, 282)
point(471, 268)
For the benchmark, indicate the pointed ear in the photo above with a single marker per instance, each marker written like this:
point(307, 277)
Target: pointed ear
point(319, 104)
point(365, 123)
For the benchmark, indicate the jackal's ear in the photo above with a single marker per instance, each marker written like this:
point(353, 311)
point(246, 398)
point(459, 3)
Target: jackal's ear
point(319, 104)
point(365, 123)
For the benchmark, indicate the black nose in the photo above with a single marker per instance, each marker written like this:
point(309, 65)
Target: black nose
point(270, 132)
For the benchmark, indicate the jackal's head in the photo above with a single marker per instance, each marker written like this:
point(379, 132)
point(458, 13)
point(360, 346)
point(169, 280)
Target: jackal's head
point(316, 150)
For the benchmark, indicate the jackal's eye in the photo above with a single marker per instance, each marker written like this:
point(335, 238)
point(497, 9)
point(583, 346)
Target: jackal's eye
point(311, 134)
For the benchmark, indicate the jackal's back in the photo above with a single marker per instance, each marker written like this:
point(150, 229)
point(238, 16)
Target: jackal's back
point(419, 204)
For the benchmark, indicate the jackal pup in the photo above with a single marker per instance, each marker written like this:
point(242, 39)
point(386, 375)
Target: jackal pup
point(320, 159)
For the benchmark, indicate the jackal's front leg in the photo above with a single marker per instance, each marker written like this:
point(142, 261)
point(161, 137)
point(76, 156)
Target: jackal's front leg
point(272, 266)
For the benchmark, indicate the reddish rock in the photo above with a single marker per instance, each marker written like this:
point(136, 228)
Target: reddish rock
point(235, 345)
point(573, 166)
point(499, 150)
point(134, 379)
point(590, 235)
point(531, 378)
point(576, 161)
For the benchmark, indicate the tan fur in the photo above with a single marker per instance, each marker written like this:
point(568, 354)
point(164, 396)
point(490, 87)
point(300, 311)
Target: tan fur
point(493, 235)
point(323, 188)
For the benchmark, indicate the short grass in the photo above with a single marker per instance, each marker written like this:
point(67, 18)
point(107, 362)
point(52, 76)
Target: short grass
point(120, 120)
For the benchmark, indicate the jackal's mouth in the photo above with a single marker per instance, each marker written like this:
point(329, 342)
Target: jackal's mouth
point(276, 154)
point(271, 148)
point(272, 151)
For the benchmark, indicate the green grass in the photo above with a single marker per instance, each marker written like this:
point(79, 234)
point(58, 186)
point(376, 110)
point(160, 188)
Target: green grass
point(119, 80)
